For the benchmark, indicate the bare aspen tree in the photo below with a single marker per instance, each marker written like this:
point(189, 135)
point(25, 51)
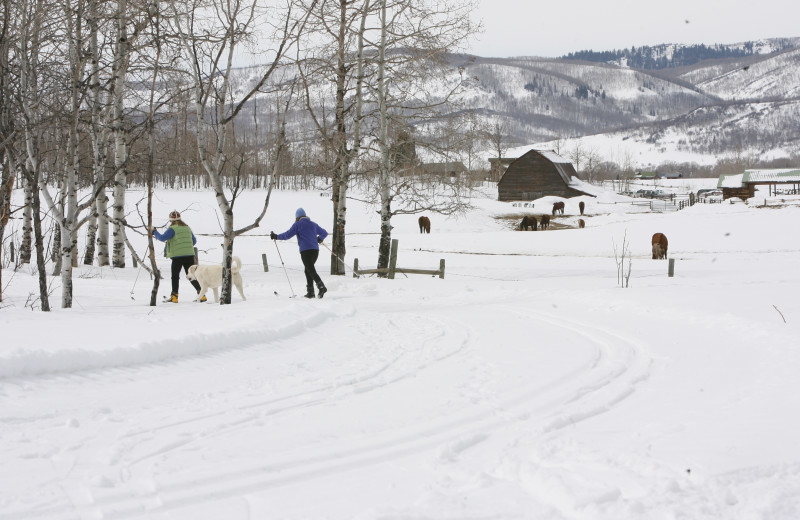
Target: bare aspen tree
point(151, 151)
point(137, 16)
point(65, 209)
point(411, 42)
point(212, 33)
point(24, 150)
point(6, 128)
point(6, 186)
point(497, 136)
point(8, 33)
point(334, 48)
point(97, 232)
point(591, 162)
point(577, 155)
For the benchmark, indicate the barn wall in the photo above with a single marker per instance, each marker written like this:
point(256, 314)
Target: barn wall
point(743, 193)
point(531, 177)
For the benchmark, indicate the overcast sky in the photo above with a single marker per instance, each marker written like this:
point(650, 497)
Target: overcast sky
point(557, 27)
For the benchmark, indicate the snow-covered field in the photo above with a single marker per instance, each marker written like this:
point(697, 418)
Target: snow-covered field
point(525, 384)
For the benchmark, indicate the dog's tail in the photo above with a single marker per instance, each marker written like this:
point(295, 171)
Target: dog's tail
point(237, 265)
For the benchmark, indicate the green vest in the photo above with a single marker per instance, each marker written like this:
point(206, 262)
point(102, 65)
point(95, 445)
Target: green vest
point(181, 244)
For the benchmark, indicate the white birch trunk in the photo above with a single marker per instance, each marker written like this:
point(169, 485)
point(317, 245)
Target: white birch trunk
point(99, 137)
point(27, 224)
point(121, 54)
point(346, 156)
point(384, 168)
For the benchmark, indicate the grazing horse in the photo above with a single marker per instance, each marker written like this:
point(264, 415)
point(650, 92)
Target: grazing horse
point(545, 223)
point(659, 242)
point(528, 221)
point(558, 207)
point(581, 223)
point(581, 206)
point(424, 225)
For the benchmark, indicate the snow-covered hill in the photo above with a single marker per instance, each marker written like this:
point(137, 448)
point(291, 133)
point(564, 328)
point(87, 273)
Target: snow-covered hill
point(742, 105)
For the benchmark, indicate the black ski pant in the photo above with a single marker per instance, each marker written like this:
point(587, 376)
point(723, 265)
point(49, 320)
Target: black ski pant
point(178, 263)
point(309, 257)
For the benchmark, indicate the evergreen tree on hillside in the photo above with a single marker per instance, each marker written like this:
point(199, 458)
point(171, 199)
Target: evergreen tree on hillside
point(655, 58)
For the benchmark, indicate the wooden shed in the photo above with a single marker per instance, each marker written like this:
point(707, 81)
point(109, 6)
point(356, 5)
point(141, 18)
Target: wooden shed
point(537, 174)
point(743, 185)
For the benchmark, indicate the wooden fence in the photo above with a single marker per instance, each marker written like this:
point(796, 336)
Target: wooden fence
point(392, 269)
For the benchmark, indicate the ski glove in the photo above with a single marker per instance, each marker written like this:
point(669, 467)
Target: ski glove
point(319, 240)
point(273, 236)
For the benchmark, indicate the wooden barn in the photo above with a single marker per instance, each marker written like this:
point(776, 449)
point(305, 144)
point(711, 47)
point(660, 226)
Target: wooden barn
point(743, 185)
point(537, 174)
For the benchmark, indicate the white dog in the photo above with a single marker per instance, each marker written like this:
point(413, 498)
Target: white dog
point(210, 277)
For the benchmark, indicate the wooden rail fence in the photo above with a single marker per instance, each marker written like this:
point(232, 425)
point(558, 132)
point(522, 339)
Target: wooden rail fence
point(392, 269)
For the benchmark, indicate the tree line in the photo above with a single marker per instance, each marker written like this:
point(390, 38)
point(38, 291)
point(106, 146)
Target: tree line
point(657, 57)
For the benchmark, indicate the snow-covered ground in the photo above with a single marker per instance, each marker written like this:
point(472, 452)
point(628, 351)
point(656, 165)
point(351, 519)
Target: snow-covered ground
point(525, 384)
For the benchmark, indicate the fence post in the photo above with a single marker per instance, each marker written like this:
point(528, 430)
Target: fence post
point(355, 268)
point(264, 261)
point(393, 259)
point(671, 269)
point(441, 268)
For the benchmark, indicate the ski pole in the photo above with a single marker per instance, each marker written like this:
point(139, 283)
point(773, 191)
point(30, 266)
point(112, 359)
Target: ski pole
point(284, 268)
point(141, 262)
point(340, 259)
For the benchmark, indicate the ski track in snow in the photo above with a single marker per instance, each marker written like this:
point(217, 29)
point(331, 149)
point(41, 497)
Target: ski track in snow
point(126, 483)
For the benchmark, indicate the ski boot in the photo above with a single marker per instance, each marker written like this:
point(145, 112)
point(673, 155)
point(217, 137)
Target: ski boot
point(173, 298)
point(309, 291)
point(321, 290)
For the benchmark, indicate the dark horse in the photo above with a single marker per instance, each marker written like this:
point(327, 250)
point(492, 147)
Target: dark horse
point(545, 223)
point(659, 243)
point(528, 221)
point(424, 225)
point(581, 206)
point(558, 207)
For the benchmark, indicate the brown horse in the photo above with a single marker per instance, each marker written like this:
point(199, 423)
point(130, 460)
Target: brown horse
point(558, 207)
point(581, 206)
point(424, 225)
point(581, 223)
point(528, 221)
point(659, 243)
point(545, 223)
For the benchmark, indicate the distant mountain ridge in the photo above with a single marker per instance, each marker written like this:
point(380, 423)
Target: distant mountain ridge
point(743, 102)
point(664, 56)
point(748, 102)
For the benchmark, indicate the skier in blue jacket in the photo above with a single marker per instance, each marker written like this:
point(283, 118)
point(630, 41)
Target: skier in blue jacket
point(309, 236)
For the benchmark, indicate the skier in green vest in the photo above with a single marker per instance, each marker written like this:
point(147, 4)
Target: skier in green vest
point(180, 248)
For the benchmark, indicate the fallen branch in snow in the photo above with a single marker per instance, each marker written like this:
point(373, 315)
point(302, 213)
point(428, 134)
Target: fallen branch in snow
point(779, 312)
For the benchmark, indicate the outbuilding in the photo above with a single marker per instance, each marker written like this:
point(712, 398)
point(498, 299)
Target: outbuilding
point(743, 185)
point(537, 174)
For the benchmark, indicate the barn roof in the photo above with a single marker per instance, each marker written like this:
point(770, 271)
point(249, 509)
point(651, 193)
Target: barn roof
point(730, 181)
point(771, 176)
point(774, 175)
point(553, 157)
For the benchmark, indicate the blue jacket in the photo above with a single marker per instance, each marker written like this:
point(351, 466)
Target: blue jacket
point(307, 232)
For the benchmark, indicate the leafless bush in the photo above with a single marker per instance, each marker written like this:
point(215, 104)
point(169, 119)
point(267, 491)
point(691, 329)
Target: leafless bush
point(623, 276)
